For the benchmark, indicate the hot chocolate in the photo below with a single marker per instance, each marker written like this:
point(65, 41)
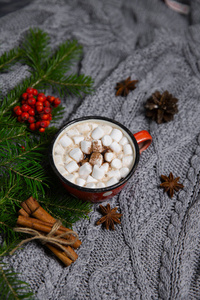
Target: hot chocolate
point(94, 153)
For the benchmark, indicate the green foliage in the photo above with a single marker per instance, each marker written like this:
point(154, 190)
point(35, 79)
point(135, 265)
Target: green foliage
point(9, 58)
point(11, 288)
point(25, 169)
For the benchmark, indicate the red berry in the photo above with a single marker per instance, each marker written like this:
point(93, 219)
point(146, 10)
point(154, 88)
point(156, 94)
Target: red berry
point(23, 101)
point(19, 119)
point(41, 98)
point(50, 117)
point(39, 103)
point(25, 107)
point(43, 124)
point(17, 110)
point(48, 122)
point(39, 108)
point(44, 116)
point(29, 90)
point(31, 119)
point(41, 129)
point(56, 102)
point(47, 103)
point(50, 98)
point(31, 101)
point(35, 92)
point(30, 96)
point(47, 110)
point(25, 96)
point(23, 148)
point(25, 116)
point(31, 112)
point(41, 94)
point(37, 125)
point(32, 126)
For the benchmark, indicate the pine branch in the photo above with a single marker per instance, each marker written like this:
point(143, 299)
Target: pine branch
point(11, 287)
point(65, 56)
point(35, 49)
point(9, 58)
point(73, 85)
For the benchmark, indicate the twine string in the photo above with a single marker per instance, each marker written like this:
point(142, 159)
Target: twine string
point(49, 238)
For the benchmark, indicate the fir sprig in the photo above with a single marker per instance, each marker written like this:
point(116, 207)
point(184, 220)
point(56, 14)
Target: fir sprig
point(9, 58)
point(25, 171)
point(35, 50)
point(11, 287)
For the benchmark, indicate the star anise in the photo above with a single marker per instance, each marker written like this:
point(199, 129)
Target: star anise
point(161, 107)
point(109, 216)
point(171, 184)
point(123, 87)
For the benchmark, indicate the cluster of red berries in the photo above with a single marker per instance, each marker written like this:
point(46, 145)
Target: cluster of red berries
point(36, 109)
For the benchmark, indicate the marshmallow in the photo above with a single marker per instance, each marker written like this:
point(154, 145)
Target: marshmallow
point(86, 147)
point(85, 170)
point(114, 173)
point(97, 173)
point(76, 154)
point(91, 185)
point(72, 167)
point(78, 139)
point(106, 140)
point(80, 181)
point(91, 179)
point(59, 150)
point(127, 160)
point(107, 129)
point(72, 132)
point(116, 147)
point(97, 133)
point(108, 156)
point(84, 127)
point(124, 172)
point(123, 141)
point(120, 156)
point(93, 125)
point(96, 159)
point(116, 134)
point(112, 181)
point(62, 170)
point(105, 167)
point(71, 177)
point(100, 185)
point(127, 149)
point(58, 159)
point(67, 159)
point(97, 146)
point(116, 163)
point(65, 141)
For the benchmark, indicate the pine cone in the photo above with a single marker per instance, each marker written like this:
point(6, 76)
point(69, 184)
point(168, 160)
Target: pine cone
point(161, 107)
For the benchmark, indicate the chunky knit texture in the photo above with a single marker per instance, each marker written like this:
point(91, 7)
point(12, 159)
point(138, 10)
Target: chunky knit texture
point(155, 252)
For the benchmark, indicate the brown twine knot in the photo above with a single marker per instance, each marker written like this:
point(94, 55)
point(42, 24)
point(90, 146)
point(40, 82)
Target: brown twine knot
point(49, 238)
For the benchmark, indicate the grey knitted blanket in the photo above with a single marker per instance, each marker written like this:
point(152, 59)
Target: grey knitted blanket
point(155, 252)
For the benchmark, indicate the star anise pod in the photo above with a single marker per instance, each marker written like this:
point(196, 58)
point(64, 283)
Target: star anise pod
point(171, 184)
point(109, 216)
point(123, 87)
point(161, 107)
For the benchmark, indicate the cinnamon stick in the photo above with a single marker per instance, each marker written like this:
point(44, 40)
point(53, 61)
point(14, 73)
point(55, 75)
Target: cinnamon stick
point(60, 255)
point(22, 212)
point(34, 224)
point(33, 208)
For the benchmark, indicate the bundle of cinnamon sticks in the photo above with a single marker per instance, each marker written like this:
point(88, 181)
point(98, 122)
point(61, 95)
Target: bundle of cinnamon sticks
point(33, 216)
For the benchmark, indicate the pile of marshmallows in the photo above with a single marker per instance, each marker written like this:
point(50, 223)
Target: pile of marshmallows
point(93, 155)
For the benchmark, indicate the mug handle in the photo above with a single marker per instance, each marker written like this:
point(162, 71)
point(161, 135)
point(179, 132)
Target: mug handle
point(143, 139)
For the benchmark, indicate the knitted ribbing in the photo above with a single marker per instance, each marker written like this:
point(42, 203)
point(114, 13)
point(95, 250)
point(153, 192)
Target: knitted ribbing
point(154, 253)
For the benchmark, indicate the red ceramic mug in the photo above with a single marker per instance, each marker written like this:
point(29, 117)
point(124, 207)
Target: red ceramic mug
point(139, 141)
